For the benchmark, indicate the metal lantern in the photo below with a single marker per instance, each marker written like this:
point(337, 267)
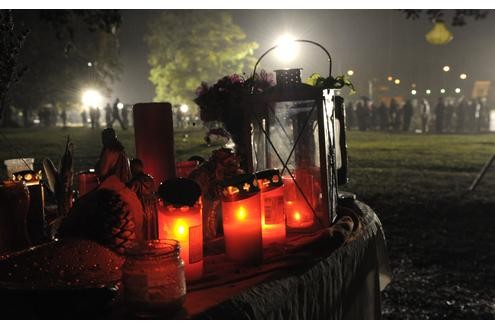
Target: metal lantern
point(294, 128)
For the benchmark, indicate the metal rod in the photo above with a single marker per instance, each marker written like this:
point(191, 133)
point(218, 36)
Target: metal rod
point(302, 41)
point(481, 174)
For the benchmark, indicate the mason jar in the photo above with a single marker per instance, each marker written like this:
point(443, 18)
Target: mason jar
point(153, 278)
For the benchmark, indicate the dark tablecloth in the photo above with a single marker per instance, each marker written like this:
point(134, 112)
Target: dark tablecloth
point(344, 284)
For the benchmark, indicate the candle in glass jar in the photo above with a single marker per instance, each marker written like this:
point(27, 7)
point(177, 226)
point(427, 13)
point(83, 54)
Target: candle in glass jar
point(181, 219)
point(298, 212)
point(241, 214)
point(272, 207)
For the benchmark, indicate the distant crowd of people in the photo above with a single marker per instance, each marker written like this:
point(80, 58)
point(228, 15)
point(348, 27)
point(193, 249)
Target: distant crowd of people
point(447, 115)
point(115, 112)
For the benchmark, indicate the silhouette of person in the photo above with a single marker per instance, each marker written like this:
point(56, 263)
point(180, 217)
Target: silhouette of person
point(108, 115)
point(63, 116)
point(425, 113)
point(116, 115)
point(84, 118)
point(408, 113)
point(439, 115)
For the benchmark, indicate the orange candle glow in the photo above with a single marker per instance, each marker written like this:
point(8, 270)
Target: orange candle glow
point(298, 212)
point(242, 219)
point(272, 207)
point(183, 222)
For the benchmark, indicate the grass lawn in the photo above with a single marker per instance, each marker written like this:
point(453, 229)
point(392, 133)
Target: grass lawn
point(440, 238)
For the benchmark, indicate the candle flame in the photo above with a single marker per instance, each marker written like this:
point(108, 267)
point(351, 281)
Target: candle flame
point(297, 216)
point(241, 213)
point(180, 228)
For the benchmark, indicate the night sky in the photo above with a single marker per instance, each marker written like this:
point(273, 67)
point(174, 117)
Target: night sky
point(374, 43)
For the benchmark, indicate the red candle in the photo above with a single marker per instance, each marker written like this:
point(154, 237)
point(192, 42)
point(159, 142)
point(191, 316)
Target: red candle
point(241, 212)
point(185, 225)
point(272, 207)
point(299, 214)
point(180, 218)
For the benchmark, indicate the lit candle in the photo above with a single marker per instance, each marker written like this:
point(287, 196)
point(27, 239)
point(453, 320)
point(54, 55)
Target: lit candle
point(299, 214)
point(241, 212)
point(272, 207)
point(180, 218)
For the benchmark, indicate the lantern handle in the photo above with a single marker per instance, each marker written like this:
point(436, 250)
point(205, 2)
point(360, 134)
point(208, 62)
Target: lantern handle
point(302, 41)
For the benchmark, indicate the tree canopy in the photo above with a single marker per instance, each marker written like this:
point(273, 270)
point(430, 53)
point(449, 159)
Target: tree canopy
point(189, 47)
point(56, 53)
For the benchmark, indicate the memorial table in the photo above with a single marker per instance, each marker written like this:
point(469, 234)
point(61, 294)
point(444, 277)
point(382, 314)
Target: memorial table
point(318, 276)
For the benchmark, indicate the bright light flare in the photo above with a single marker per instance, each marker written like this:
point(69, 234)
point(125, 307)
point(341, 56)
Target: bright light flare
point(442, 90)
point(350, 72)
point(92, 98)
point(287, 48)
point(397, 81)
point(184, 108)
point(389, 78)
point(463, 76)
point(457, 90)
point(446, 68)
point(428, 91)
point(120, 105)
point(413, 92)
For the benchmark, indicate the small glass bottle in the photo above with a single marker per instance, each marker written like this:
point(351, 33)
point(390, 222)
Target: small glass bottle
point(153, 278)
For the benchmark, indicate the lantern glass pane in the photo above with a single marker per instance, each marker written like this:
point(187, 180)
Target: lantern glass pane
point(291, 144)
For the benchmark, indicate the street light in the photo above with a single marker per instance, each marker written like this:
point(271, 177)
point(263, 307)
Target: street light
point(442, 90)
point(184, 108)
point(91, 98)
point(413, 92)
point(428, 91)
point(350, 72)
point(90, 64)
point(446, 68)
point(390, 78)
point(457, 90)
point(120, 105)
point(287, 48)
point(463, 76)
point(397, 81)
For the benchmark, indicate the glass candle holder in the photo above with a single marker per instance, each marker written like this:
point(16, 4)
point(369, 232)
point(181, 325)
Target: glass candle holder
point(298, 212)
point(241, 213)
point(272, 207)
point(153, 278)
point(180, 218)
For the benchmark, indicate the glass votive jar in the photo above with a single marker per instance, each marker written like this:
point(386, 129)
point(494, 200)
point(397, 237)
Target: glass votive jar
point(272, 207)
point(180, 218)
point(241, 215)
point(153, 278)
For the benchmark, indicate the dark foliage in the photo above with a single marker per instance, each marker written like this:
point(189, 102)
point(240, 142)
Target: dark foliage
point(11, 42)
point(458, 18)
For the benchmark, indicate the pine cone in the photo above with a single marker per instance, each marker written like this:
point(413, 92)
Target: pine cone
point(102, 216)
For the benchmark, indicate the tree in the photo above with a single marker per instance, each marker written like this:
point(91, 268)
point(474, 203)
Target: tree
point(56, 53)
point(189, 47)
point(458, 16)
point(10, 45)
